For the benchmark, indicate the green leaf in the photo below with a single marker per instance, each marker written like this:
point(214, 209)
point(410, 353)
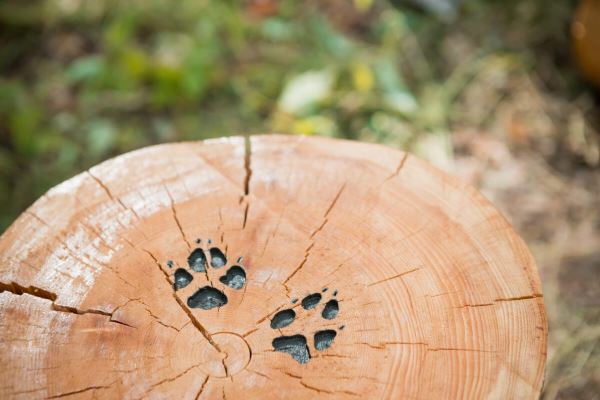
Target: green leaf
point(86, 69)
point(101, 137)
point(24, 124)
point(306, 90)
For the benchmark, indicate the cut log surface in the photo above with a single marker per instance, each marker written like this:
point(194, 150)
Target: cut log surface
point(273, 267)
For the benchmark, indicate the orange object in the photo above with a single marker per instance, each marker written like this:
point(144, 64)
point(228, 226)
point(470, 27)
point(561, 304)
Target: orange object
point(280, 267)
point(585, 34)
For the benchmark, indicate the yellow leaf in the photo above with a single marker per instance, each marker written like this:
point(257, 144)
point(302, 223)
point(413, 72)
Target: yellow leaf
point(362, 77)
point(363, 5)
point(304, 127)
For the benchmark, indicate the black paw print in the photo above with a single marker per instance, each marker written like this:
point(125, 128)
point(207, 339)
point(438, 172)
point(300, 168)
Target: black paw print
point(208, 297)
point(297, 345)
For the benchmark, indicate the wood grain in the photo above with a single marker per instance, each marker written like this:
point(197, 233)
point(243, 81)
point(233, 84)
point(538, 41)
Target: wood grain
point(438, 297)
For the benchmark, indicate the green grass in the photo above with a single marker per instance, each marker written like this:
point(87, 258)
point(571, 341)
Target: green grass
point(83, 81)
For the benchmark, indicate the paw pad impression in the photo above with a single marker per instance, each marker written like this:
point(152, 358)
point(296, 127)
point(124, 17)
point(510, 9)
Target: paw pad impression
point(208, 297)
point(297, 345)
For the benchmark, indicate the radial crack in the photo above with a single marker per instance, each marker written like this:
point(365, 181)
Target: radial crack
point(40, 293)
point(176, 218)
point(170, 379)
point(110, 195)
point(185, 309)
point(158, 320)
point(245, 215)
point(299, 267)
point(202, 387)
point(17, 289)
point(398, 168)
point(247, 177)
point(259, 374)
point(312, 236)
point(319, 390)
point(247, 164)
point(326, 215)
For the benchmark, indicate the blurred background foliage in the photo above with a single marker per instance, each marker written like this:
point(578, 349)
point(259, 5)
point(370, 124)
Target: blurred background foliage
point(486, 90)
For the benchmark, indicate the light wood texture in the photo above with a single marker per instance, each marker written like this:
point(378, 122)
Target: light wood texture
point(438, 297)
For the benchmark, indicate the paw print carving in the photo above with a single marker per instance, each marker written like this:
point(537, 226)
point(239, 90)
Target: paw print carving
point(297, 345)
point(208, 297)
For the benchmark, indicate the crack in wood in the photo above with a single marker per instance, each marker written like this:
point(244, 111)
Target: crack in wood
point(527, 297)
point(179, 375)
point(398, 168)
point(110, 195)
point(319, 390)
point(186, 310)
point(17, 289)
point(247, 178)
point(77, 258)
point(395, 276)
point(383, 345)
point(202, 387)
point(176, 218)
point(156, 318)
point(259, 374)
point(501, 300)
point(312, 237)
point(87, 389)
point(247, 164)
point(40, 293)
point(326, 215)
point(460, 349)
point(245, 215)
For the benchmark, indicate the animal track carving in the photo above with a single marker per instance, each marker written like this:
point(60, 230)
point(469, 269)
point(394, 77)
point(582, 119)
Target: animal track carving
point(235, 277)
point(297, 345)
point(208, 297)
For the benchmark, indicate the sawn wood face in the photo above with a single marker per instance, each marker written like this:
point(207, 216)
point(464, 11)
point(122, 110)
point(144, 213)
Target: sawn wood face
point(281, 268)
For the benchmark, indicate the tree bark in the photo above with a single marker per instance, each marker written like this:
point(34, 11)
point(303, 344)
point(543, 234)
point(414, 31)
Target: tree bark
point(276, 267)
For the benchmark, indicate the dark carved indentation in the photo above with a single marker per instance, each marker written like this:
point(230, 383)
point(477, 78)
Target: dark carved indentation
point(207, 298)
point(235, 277)
point(296, 345)
point(182, 278)
point(197, 260)
point(331, 309)
point(217, 258)
point(293, 345)
point(283, 318)
point(324, 339)
point(311, 301)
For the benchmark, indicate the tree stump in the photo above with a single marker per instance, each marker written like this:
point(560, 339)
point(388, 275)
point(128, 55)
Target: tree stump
point(272, 267)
